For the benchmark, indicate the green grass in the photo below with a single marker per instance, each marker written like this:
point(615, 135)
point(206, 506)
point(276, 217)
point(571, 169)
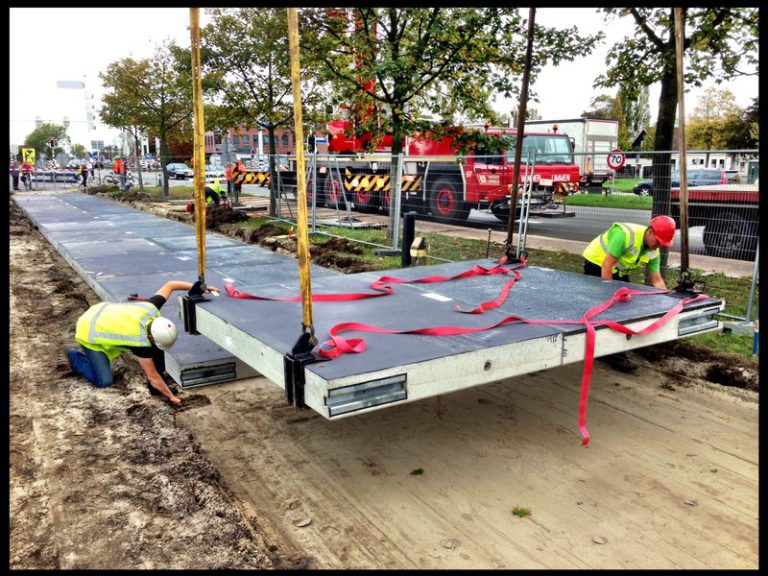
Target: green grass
point(623, 184)
point(633, 202)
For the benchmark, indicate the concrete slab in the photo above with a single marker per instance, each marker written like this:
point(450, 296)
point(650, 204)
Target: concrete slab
point(121, 251)
point(250, 335)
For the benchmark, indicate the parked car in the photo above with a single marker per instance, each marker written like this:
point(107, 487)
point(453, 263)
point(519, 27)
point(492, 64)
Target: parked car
point(179, 171)
point(696, 177)
point(214, 171)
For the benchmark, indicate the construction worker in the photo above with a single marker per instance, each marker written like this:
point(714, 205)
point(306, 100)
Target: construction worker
point(237, 168)
point(625, 247)
point(118, 168)
point(213, 194)
point(108, 329)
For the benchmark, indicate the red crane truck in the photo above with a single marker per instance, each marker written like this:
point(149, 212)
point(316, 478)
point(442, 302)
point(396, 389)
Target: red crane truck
point(437, 180)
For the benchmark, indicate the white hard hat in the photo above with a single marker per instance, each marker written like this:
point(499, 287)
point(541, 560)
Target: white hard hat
point(163, 332)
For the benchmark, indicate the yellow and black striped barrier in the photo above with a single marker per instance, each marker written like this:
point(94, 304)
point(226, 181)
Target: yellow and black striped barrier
point(378, 182)
point(252, 177)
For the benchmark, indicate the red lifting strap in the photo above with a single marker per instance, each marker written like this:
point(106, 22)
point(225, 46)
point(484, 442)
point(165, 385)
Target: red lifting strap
point(381, 286)
point(338, 345)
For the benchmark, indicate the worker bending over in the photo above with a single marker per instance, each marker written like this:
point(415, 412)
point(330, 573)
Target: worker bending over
point(108, 329)
point(625, 247)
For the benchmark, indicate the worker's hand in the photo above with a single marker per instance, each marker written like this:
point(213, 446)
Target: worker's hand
point(175, 401)
point(212, 290)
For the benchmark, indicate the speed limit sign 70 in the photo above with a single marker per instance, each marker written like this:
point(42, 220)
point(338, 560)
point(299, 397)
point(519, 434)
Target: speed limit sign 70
point(616, 159)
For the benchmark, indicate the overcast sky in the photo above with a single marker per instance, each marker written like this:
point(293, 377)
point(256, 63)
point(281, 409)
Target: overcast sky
point(52, 44)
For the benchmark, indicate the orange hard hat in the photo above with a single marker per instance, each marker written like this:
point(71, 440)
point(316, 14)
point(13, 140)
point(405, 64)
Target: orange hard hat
point(664, 229)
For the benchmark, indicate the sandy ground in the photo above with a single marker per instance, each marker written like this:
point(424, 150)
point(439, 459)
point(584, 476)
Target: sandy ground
point(483, 478)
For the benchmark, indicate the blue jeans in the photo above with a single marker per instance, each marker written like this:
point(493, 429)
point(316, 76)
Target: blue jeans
point(93, 365)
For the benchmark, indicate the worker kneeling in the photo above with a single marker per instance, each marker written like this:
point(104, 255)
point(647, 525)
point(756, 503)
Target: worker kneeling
point(214, 196)
point(626, 246)
point(108, 329)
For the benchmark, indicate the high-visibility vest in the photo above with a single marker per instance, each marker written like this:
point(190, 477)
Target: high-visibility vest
point(112, 327)
point(240, 166)
point(228, 173)
point(633, 255)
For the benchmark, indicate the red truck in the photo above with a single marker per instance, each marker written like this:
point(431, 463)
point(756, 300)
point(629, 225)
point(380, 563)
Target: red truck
point(730, 215)
point(437, 180)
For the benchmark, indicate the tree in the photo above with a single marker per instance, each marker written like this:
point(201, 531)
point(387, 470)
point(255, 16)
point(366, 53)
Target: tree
point(39, 139)
point(604, 107)
point(79, 151)
point(719, 43)
point(391, 65)
point(244, 53)
point(636, 114)
point(151, 95)
point(439, 61)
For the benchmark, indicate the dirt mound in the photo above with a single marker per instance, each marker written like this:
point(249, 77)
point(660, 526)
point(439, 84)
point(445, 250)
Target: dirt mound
point(217, 217)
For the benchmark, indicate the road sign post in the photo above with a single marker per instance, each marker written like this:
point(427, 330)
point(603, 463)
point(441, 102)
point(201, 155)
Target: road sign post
point(616, 160)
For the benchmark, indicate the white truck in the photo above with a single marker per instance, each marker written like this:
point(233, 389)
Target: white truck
point(592, 140)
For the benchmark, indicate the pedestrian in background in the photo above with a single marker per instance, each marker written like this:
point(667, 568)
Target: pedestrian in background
point(15, 174)
point(26, 172)
point(626, 246)
point(84, 174)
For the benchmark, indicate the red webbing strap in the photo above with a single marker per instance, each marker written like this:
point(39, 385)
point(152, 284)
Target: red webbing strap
point(338, 345)
point(382, 285)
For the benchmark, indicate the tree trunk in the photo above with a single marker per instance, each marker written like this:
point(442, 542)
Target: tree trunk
point(394, 184)
point(164, 164)
point(665, 127)
point(137, 148)
point(272, 171)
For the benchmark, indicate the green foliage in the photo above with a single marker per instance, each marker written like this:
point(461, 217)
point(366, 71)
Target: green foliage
point(716, 122)
point(38, 139)
point(79, 151)
point(153, 96)
point(430, 61)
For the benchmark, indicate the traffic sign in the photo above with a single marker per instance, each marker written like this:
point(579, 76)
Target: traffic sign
point(616, 159)
point(28, 154)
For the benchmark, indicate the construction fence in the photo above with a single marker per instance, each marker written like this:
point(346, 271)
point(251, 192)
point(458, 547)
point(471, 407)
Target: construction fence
point(564, 200)
point(474, 192)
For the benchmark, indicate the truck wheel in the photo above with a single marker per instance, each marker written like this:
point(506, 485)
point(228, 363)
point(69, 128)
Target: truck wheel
point(730, 235)
point(333, 193)
point(366, 201)
point(310, 194)
point(501, 211)
point(446, 202)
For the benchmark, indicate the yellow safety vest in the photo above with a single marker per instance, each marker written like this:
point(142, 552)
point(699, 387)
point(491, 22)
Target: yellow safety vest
point(632, 257)
point(111, 327)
